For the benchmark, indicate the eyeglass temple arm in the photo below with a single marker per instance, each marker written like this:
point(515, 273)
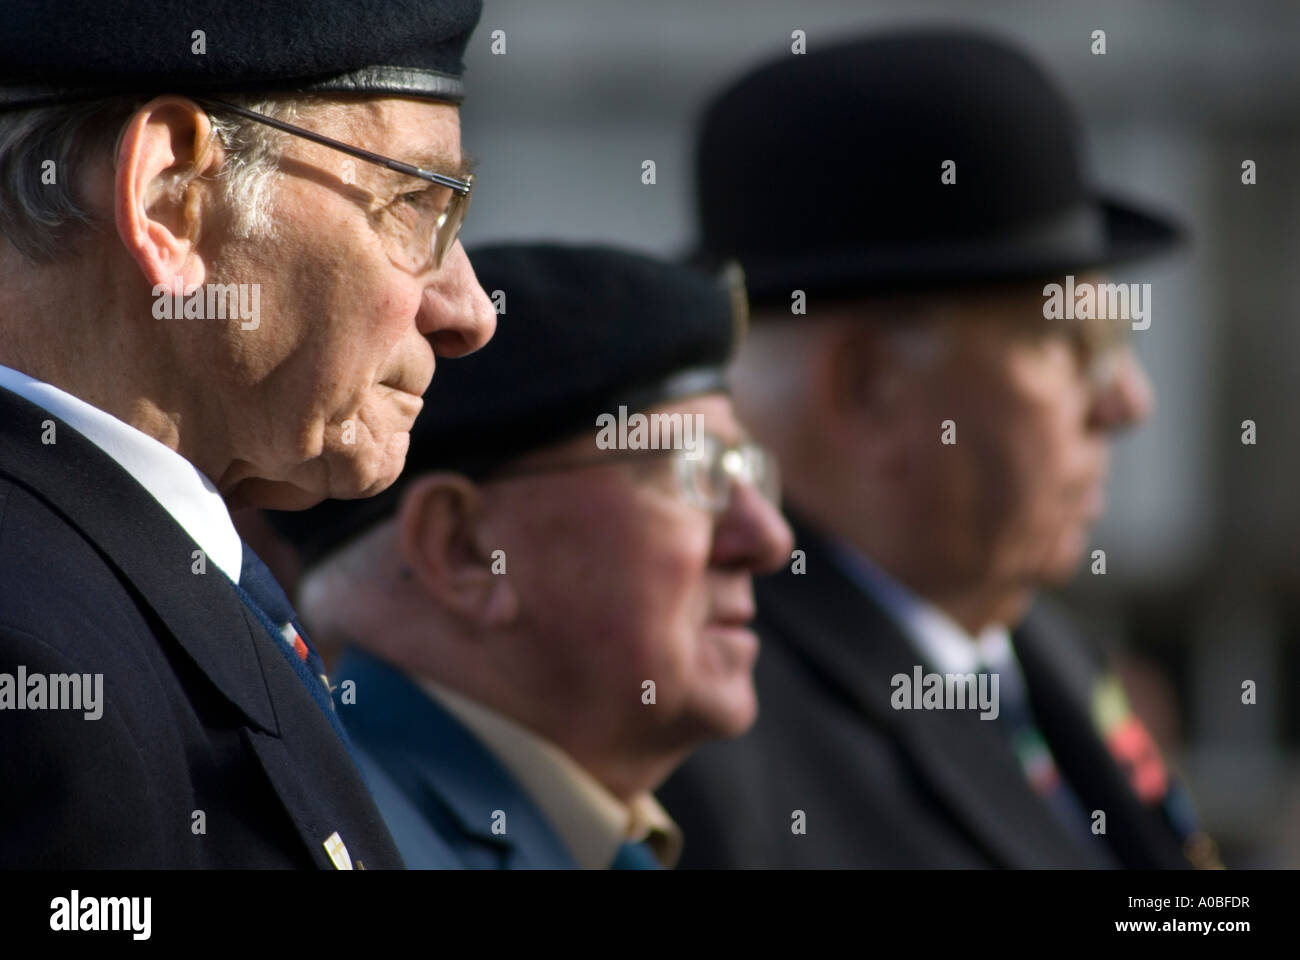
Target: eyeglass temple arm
point(397, 166)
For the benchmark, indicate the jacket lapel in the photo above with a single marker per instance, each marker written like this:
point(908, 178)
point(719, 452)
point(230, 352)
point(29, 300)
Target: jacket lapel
point(848, 640)
point(1061, 677)
point(287, 731)
point(151, 551)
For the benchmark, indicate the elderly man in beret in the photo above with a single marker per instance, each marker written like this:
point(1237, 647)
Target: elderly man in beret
point(228, 263)
point(549, 610)
point(944, 433)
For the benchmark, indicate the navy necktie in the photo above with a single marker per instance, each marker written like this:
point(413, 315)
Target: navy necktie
point(256, 580)
point(261, 593)
point(1017, 723)
point(635, 856)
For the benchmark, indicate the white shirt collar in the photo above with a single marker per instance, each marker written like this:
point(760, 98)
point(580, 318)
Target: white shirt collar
point(943, 644)
point(179, 487)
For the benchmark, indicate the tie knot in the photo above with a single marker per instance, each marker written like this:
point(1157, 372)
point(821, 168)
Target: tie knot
point(635, 856)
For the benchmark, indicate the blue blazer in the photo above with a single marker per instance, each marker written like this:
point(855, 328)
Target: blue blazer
point(438, 787)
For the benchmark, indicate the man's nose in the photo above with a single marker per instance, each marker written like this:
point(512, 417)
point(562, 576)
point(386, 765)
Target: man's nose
point(1126, 397)
point(751, 533)
point(455, 312)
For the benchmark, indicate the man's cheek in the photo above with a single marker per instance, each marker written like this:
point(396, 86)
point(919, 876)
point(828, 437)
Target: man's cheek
point(666, 603)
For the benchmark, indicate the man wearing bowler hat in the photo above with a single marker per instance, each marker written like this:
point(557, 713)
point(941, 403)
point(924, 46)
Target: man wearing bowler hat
point(229, 258)
point(900, 204)
point(550, 609)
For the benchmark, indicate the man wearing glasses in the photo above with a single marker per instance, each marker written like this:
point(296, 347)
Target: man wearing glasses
point(301, 202)
point(540, 627)
point(944, 433)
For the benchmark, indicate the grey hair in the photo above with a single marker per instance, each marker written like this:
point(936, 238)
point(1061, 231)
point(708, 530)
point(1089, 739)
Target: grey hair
point(768, 370)
point(37, 216)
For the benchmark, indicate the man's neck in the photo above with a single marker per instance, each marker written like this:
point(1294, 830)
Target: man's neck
point(623, 773)
point(974, 602)
point(115, 389)
point(86, 339)
point(980, 607)
point(115, 392)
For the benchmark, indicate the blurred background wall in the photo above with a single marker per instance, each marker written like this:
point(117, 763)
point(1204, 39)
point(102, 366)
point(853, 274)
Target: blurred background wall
point(1202, 590)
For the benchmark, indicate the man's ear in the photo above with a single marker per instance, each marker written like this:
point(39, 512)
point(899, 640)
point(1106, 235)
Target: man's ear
point(856, 386)
point(167, 145)
point(439, 527)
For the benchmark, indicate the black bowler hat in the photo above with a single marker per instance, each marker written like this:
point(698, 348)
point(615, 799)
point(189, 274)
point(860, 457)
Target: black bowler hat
point(56, 51)
point(824, 172)
point(585, 330)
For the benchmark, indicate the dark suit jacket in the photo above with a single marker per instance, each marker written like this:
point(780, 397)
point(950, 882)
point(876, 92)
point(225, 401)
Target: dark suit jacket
point(439, 788)
point(201, 711)
point(888, 788)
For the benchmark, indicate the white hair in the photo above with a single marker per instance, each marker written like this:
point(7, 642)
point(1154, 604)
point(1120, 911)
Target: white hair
point(771, 370)
point(44, 151)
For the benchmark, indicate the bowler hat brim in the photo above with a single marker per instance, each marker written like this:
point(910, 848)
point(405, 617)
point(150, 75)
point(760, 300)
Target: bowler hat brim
point(1114, 232)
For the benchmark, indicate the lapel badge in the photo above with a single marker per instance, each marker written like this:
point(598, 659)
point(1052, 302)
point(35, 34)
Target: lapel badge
point(338, 852)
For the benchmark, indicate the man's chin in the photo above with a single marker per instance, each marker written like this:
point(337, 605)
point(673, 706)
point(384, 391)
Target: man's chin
point(1066, 562)
point(346, 479)
point(372, 489)
point(733, 711)
point(356, 473)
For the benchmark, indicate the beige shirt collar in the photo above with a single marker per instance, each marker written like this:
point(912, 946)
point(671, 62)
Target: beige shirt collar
point(591, 822)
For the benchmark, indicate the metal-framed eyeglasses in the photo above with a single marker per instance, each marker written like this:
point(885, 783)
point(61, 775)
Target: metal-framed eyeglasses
point(706, 473)
point(439, 212)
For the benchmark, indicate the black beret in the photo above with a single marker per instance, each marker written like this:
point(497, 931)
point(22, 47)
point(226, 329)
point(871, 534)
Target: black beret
point(581, 331)
point(825, 171)
point(54, 51)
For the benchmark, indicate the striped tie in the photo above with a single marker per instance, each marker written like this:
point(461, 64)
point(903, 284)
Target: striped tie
point(1017, 723)
point(263, 595)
